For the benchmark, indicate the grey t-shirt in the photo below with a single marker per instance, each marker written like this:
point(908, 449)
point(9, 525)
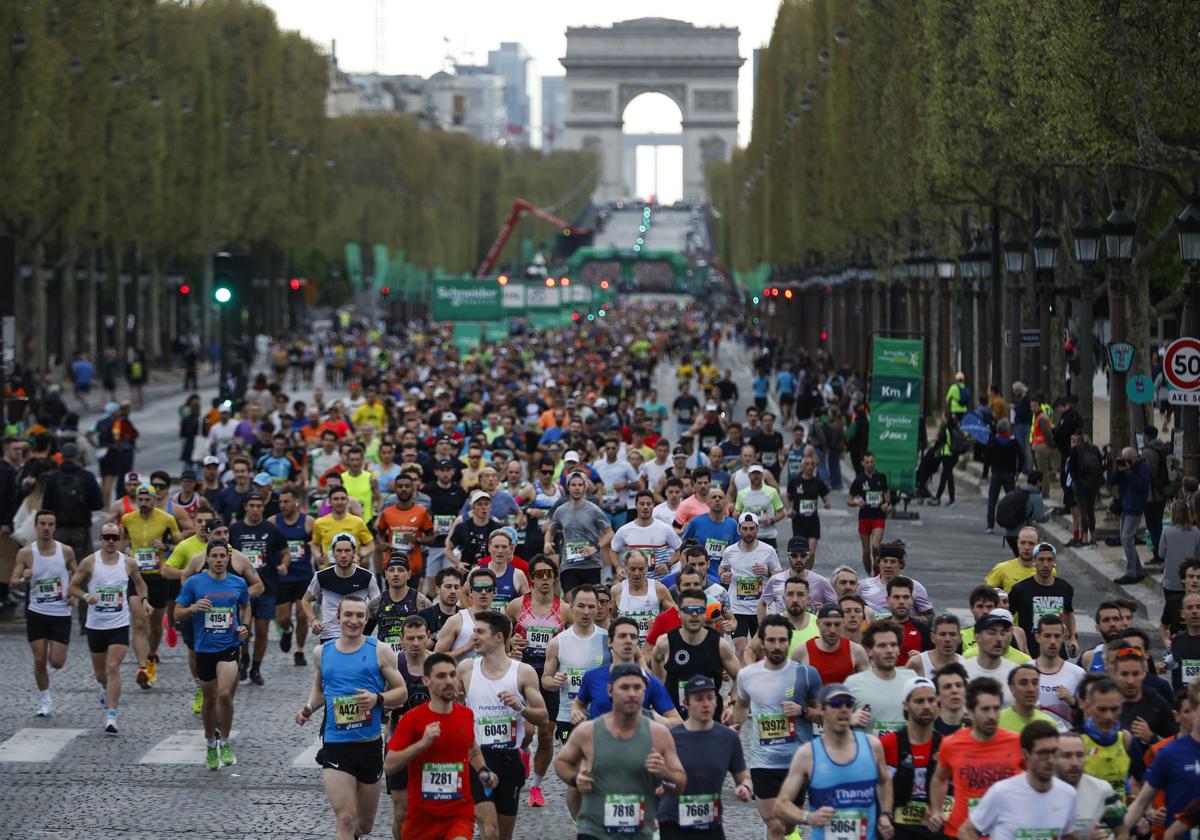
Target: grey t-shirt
point(581, 526)
point(708, 756)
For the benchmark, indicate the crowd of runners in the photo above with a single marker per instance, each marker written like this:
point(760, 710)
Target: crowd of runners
point(512, 557)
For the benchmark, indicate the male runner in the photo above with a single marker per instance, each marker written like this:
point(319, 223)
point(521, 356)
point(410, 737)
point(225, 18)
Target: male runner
point(586, 532)
point(436, 743)
point(593, 699)
point(354, 679)
point(267, 550)
point(397, 602)
point(503, 695)
point(849, 786)
point(946, 637)
point(879, 690)
point(710, 750)
point(218, 605)
point(108, 574)
point(296, 526)
point(657, 540)
point(869, 493)
point(538, 617)
point(1096, 804)
point(795, 610)
point(637, 597)
point(457, 636)
point(1043, 594)
point(805, 491)
point(340, 521)
point(834, 656)
point(447, 585)
point(777, 693)
point(762, 500)
point(411, 665)
point(46, 566)
point(745, 567)
point(713, 531)
point(951, 683)
point(911, 753)
point(147, 530)
point(799, 565)
point(446, 498)
point(693, 650)
point(1059, 679)
point(404, 527)
point(618, 761)
point(341, 580)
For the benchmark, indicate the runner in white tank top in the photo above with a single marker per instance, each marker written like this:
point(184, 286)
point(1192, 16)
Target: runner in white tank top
point(645, 607)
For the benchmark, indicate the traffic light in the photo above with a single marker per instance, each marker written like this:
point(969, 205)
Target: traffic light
point(222, 294)
point(591, 317)
point(787, 293)
point(502, 279)
point(185, 289)
point(385, 290)
point(603, 312)
point(574, 316)
point(566, 281)
point(754, 300)
point(223, 278)
point(294, 284)
point(550, 282)
point(604, 284)
point(824, 335)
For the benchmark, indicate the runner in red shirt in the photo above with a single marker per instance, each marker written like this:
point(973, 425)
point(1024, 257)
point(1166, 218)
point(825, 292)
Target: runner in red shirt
point(436, 740)
point(911, 754)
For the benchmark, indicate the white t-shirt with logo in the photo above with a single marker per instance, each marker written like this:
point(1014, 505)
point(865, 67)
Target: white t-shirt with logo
point(1012, 809)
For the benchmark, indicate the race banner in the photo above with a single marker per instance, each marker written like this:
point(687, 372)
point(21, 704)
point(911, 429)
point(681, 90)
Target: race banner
point(466, 300)
point(897, 388)
point(381, 267)
point(354, 266)
point(512, 299)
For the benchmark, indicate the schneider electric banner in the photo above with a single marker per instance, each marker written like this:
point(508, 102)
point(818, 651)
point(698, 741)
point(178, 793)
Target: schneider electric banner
point(897, 382)
point(466, 300)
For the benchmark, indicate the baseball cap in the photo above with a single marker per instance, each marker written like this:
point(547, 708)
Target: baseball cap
point(753, 468)
point(187, 475)
point(397, 559)
point(110, 407)
point(444, 464)
point(262, 479)
point(342, 537)
point(145, 488)
point(572, 456)
point(225, 407)
point(799, 544)
point(679, 450)
point(480, 494)
point(995, 617)
point(211, 461)
point(699, 682)
point(748, 517)
point(919, 682)
point(448, 415)
point(626, 669)
point(601, 403)
point(133, 478)
point(712, 406)
point(70, 450)
point(833, 690)
point(830, 611)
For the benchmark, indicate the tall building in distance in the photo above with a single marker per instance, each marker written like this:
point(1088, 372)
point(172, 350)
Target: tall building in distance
point(554, 112)
point(513, 63)
point(755, 58)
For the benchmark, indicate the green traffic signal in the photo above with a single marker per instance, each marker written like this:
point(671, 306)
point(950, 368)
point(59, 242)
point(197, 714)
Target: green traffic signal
point(222, 294)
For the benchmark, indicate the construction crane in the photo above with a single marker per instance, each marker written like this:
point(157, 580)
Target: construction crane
point(519, 208)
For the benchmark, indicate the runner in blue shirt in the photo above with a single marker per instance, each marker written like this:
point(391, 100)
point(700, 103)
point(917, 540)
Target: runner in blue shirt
point(219, 605)
point(785, 384)
point(594, 699)
point(1175, 771)
point(713, 530)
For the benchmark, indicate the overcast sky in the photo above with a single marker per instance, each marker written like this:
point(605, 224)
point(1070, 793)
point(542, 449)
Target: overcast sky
point(414, 32)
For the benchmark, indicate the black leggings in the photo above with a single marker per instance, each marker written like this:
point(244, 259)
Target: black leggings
point(1086, 497)
point(949, 462)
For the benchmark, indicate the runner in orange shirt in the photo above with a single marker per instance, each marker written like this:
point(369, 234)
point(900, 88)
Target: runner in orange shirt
point(403, 527)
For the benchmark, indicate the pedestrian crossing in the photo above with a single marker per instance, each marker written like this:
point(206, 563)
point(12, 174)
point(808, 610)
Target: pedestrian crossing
point(187, 746)
point(36, 746)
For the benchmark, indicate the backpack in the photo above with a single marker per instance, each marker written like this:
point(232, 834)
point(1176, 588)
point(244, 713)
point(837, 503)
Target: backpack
point(1013, 509)
point(1090, 468)
point(72, 508)
point(960, 444)
point(1166, 473)
point(964, 396)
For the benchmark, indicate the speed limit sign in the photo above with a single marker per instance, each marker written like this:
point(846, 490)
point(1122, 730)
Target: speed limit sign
point(1182, 364)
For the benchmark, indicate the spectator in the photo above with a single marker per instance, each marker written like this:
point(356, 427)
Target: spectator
point(1131, 477)
point(1041, 440)
point(1156, 452)
point(1022, 418)
point(1180, 540)
point(72, 492)
point(947, 457)
point(1035, 507)
point(1085, 466)
point(1003, 454)
point(1067, 421)
point(958, 396)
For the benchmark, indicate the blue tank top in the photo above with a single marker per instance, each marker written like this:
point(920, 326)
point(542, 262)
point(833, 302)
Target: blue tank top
point(506, 589)
point(847, 788)
point(300, 566)
point(342, 675)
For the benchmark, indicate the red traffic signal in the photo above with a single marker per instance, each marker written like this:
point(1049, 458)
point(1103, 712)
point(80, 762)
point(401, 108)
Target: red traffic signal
point(603, 284)
point(185, 289)
point(385, 291)
point(824, 335)
point(574, 316)
point(502, 279)
point(294, 284)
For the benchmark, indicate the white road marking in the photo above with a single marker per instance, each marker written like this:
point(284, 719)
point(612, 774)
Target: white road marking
point(308, 758)
point(187, 746)
point(37, 745)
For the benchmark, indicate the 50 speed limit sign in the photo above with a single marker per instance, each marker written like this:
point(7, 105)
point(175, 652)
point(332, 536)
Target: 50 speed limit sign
point(1181, 366)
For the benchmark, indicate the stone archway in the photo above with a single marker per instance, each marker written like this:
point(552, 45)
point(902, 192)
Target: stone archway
point(697, 67)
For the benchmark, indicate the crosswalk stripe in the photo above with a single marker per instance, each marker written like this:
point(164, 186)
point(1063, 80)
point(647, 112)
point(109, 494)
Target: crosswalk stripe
point(187, 746)
point(36, 745)
point(309, 756)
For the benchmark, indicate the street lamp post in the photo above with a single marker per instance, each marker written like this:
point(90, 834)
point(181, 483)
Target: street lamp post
point(1045, 260)
point(945, 275)
point(981, 256)
point(1016, 255)
point(966, 312)
point(1086, 235)
point(1119, 232)
point(1187, 223)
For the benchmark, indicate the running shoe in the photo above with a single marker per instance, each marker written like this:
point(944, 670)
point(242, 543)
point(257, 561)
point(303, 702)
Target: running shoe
point(197, 702)
point(227, 757)
point(243, 672)
point(45, 708)
point(285, 640)
point(152, 667)
point(110, 723)
point(298, 659)
point(143, 678)
point(172, 636)
point(211, 759)
point(256, 677)
point(536, 800)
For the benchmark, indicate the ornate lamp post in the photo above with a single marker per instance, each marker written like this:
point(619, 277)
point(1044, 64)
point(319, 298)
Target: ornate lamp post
point(1016, 256)
point(1086, 236)
point(945, 275)
point(1119, 232)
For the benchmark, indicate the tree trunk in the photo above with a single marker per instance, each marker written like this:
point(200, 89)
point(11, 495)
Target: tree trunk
point(88, 305)
point(119, 331)
point(152, 341)
point(38, 323)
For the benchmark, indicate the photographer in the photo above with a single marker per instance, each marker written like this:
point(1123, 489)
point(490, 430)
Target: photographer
point(1131, 477)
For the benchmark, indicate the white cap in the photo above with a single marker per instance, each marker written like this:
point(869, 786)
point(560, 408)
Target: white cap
point(449, 415)
point(572, 456)
point(753, 468)
point(601, 403)
point(550, 383)
point(710, 406)
point(747, 516)
point(480, 494)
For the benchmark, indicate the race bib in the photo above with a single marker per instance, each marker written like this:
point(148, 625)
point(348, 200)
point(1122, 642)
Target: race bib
point(610, 493)
point(707, 442)
point(912, 813)
point(770, 458)
point(874, 498)
point(147, 559)
point(775, 729)
point(714, 547)
point(539, 636)
point(219, 619)
point(701, 810)
point(1036, 834)
point(882, 726)
point(574, 681)
point(498, 731)
point(255, 556)
point(574, 549)
point(807, 507)
point(1189, 670)
point(349, 714)
point(401, 541)
point(748, 588)
point(624, 813)
point(847, 824)
point(48, 590)
point(296, 550)
point(441, 782)
point(442, 524)
point(112, 599)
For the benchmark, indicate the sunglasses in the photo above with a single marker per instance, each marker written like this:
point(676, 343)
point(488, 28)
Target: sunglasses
point(483, 589)
point(546, 472)
point(110, 537)
point(544, 574)
point(840, 702)
point(797, 554)
point(692, 610)
point(1129, 653)
point(161, 486)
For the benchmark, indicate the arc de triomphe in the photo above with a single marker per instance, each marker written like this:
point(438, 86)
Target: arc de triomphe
point(697, 67)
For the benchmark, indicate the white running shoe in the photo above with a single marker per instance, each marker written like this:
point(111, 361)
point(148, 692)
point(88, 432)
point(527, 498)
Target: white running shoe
point(45, 708)
point(110, 723)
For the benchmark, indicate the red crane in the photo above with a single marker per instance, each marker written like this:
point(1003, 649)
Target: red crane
point(519, 208)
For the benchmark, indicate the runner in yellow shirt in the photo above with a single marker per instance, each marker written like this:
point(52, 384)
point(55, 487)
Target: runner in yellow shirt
point(147, 532)
point(1008, 574)
point(337, 522)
